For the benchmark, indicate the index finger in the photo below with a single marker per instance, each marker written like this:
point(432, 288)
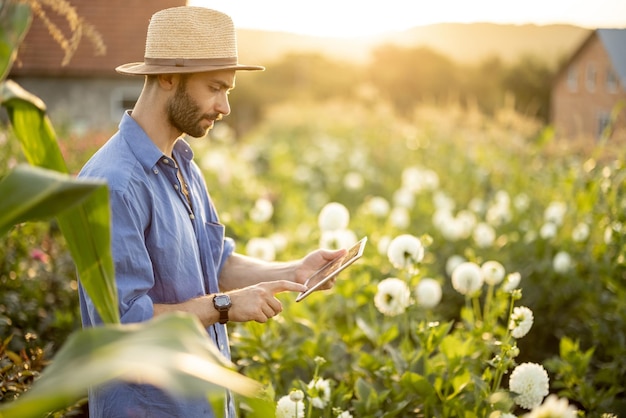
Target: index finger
point(279, 286)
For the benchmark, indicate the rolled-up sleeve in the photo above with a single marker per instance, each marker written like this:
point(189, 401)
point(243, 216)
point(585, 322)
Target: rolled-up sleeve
point(133, 268)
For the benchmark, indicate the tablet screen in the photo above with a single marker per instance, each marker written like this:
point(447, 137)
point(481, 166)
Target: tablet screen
point(330, 270)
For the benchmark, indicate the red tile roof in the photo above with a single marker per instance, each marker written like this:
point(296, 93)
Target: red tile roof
point(121, 23)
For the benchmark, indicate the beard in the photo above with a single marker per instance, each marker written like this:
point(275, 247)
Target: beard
point(185, 115)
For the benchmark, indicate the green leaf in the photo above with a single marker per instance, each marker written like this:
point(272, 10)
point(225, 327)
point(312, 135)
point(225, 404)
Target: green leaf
point(15, 18)
point(87, 227)
point(32, 126)
point(459, 382)
point(418, 384)
point(32, 194)
point(87, 230)
point(172, 352)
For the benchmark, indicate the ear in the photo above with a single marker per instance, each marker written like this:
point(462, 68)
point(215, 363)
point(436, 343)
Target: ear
point(168, 82)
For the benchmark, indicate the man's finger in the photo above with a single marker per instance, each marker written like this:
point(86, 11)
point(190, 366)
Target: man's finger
point(279, 286)
point(332, 254)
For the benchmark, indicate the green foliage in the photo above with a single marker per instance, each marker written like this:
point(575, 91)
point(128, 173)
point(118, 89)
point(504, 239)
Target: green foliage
point(186, 364)
point(200, 369)
point(454, 359)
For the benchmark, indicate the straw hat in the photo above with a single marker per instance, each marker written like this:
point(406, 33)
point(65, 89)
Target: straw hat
point(188, 39)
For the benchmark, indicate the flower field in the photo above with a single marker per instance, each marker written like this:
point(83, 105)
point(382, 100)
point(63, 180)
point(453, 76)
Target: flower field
point(492, 284)
point(493, 274)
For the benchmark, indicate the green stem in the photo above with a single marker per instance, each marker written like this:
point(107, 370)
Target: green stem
point(507, 337)
point(487, 307)
point(476, 305)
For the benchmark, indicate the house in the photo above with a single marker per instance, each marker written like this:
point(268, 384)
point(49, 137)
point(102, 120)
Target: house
point(589, 92)
point(87, 93)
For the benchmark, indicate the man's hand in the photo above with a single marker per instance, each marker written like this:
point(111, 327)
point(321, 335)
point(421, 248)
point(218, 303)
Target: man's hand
point(316, 260)
point(258, 302)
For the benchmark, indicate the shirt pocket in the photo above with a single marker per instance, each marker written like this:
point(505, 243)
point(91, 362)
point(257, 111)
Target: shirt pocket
point(215, 233)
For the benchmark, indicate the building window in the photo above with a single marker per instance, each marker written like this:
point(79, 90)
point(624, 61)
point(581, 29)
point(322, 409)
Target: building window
point(122, 99)
point(572, 79)
point(603, 122)
point(611, 81)
point(590, 78)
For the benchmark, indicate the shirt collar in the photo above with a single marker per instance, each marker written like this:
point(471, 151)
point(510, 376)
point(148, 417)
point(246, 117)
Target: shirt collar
point(146, 152)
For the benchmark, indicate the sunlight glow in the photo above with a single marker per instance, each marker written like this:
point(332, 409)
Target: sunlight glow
point(354, 18)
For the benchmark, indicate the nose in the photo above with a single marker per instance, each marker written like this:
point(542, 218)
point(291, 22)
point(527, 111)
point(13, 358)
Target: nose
point(222, 105)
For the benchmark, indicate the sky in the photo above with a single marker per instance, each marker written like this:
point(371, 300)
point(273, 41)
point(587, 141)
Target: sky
point(354, 18)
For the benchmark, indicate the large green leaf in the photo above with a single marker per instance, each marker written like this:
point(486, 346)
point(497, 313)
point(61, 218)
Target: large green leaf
point(31, 193)
point(32, 126)
point(86, 227)
point(87, 231)
point(172, 351)
point(15, 18)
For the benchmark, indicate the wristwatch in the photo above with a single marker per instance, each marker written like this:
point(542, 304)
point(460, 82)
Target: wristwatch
point(222, 303)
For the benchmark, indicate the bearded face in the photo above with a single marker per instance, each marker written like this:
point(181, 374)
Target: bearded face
point(185, 114)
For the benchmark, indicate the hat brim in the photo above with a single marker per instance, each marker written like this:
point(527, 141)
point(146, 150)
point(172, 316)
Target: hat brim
point(141, 68)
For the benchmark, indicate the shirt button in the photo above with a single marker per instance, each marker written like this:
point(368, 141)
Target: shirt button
point(176, 186)
point(191, 216)
point(166, 161)
point(155, 171)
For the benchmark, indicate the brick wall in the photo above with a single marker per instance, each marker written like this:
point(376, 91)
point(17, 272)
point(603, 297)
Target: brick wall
point(122, 24)
point(575, 113)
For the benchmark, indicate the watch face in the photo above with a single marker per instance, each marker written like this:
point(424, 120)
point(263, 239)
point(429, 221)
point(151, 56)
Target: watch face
point(222, 301)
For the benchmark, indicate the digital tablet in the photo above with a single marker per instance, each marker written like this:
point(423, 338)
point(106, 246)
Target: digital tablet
point(330, 270)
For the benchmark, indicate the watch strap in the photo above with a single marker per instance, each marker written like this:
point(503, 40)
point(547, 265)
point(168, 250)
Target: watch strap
point(223, 316)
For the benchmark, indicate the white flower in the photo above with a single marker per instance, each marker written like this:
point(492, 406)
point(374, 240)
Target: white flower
point(333, 216)
point(454, 228)
point(500, 211)
point(405, 251)
point(555, 212)
point(279, 240)
point(261, 248)
point(467, 278)
point(548, 230)
point(353, 181)
point(484, 235)
point(521, 202)
point(493, 272)
point(477, 205)
point(399, 217)
point(453, 262)
point(530, 384)
point(507, 415)
point(553, 407)
point(378, 206)
point(383, 244)
point(262, 211)
point(443, 201)
point(296, 395)
point(521, 321)
point(339, 238)
point(404, 198)
point(286, 407)
point(393, 296)
point(417, 179)
point(511, 281)
point(428, 293)
point(319, 391)
point(466, 221)
point(580, 232)
point(562, 262)
point(345, 414)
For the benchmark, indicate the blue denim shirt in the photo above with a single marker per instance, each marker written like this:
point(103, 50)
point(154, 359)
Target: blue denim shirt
point(164, 251)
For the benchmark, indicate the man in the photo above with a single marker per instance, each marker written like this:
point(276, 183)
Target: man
point(169, 248)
